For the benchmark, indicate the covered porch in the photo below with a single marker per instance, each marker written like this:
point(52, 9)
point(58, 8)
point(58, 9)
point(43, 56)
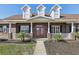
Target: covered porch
point(65, 29)
point(44, 30)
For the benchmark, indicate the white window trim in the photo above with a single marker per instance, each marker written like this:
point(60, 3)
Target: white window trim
point(24, 27)
point(4, 28)
point(56, 28)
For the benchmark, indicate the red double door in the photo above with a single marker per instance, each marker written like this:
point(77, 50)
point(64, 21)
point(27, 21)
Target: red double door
point(40, 31)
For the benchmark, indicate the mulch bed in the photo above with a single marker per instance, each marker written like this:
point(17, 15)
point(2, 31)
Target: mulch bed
point(62, 48)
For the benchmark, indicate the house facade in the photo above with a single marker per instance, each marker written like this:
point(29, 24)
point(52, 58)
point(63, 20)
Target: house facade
point(40, 25)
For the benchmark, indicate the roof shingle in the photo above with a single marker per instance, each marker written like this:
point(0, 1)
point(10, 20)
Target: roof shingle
point(64, 16)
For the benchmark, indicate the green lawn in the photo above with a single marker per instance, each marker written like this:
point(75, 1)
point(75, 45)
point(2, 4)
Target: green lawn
point(16, 49)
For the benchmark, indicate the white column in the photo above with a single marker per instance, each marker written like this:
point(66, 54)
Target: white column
point(10, 31)
point(48, 27)
point(9, 27)
point(72, 27)
point(71, 36)
point(31, 28)
point(23, 15)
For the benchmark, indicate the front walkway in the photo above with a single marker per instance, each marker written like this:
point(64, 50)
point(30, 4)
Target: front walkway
point(40, 48)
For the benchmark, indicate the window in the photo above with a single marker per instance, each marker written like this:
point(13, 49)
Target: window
point(56, 13)
point(1, 29)
point(77, 28)
point(55, 29)
point(40, 10)
point(4, 28)
point(24, 28)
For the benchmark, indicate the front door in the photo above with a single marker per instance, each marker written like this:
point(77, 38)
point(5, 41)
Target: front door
point(40, 31)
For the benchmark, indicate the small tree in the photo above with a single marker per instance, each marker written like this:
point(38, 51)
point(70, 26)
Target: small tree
point(76, 34)
point(58, 37)
point(21, 35)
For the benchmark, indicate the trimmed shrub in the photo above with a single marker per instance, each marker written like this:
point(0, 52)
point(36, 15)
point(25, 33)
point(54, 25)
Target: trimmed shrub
point(21, 35)
point(76, 34)
point(58, 37)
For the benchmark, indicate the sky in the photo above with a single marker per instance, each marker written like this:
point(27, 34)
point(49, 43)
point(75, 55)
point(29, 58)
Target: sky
point(7, 10)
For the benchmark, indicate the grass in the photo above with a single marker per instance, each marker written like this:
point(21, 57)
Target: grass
point(62, 48)
point(16, 49)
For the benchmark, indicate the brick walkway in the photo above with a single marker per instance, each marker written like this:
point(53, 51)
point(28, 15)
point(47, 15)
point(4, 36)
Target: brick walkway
point(40, 48)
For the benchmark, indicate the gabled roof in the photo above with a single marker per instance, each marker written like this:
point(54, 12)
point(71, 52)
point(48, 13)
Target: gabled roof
point(70, 16)
point(40, 17)
point(17, 17)
point(41, 6)
point(26, 7)
point(64, 16)
point(56, 6)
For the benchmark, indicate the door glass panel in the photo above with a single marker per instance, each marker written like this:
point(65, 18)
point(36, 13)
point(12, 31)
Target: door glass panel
point(42, 30)
point(37, 29)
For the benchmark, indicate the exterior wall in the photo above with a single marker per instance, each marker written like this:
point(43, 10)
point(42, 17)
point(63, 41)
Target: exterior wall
point(76, 27)
point(64, 28)
point(15, 28)
point(4, 35)
point(68, 28)
point(18, 26)
point(13, 31)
